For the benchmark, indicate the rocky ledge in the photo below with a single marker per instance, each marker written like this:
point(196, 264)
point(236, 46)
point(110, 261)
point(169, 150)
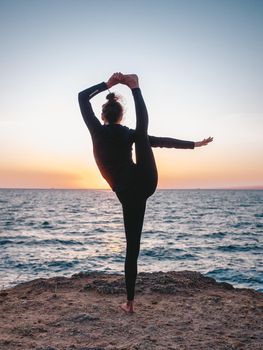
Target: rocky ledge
point(173, 310)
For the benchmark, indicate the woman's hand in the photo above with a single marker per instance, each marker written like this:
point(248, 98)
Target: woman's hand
point(204, 142)
point(115, 79)
point(131, 80)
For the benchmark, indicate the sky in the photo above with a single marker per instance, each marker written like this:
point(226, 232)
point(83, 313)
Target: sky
point(200, 68)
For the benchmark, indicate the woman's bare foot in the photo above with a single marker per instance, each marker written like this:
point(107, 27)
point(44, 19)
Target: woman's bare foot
point(128, 307)
point(131, 80)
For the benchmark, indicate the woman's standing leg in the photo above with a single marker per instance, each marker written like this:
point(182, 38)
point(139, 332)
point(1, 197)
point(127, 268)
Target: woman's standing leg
point(133, 214)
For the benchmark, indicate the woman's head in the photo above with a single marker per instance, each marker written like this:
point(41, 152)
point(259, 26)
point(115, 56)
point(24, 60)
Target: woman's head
point(112, 111)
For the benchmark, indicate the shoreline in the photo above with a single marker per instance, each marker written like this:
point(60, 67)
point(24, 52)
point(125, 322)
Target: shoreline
point(9, 285)
point(173, 310)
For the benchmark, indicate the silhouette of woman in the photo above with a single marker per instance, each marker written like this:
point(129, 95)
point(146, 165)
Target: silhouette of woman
point(132, 182)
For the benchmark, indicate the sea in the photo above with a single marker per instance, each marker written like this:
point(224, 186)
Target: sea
point(51, 232)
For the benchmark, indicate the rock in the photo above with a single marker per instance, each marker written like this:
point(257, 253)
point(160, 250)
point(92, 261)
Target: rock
point(84, 318)
point(182, 309)
point(161, 282)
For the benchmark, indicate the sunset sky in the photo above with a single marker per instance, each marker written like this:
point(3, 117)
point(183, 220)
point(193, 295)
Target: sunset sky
point(200, 68)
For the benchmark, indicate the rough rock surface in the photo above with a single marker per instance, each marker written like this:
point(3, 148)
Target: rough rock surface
point(173, 310)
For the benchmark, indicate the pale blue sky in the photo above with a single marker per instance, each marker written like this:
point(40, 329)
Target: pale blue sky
point(199, 63)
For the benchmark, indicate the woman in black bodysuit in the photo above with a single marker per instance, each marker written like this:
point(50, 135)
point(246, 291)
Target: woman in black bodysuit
point(132, 182)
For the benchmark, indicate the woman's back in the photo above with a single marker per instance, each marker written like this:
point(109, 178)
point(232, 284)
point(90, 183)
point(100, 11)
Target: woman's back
point(112, 148)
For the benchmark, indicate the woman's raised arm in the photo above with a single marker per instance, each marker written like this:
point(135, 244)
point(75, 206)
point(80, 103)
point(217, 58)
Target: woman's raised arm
point(88, 115)
point(84, 97)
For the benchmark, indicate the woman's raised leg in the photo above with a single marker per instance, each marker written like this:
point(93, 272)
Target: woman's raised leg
point(134, 202)
point(147, 171)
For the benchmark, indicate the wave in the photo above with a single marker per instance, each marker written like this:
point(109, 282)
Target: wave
point(239, 248)
point(30, 242)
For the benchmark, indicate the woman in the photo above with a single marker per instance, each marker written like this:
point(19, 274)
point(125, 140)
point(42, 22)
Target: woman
point(132, 182)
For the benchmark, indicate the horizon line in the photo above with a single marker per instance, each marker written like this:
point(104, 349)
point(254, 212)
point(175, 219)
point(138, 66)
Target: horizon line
point(259, 187)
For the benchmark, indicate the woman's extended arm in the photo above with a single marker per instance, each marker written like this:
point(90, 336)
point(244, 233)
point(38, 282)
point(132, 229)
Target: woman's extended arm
point(169, 142)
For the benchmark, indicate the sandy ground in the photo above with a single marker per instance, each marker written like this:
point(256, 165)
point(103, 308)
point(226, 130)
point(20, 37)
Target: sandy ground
point(173, 310)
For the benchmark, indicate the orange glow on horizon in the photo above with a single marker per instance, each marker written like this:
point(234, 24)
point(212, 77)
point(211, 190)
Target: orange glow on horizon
point(184, 173)
point(202, 168)
point(51, 178)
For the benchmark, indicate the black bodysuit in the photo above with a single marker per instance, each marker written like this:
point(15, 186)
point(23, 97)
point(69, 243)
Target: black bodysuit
point(132, 182)
point(112, 144)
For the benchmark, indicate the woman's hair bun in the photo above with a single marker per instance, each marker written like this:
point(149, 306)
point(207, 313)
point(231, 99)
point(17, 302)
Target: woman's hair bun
point(112, 110)
point(111, 97)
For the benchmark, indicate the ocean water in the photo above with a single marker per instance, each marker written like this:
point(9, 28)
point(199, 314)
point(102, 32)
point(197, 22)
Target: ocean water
point(45, 233)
